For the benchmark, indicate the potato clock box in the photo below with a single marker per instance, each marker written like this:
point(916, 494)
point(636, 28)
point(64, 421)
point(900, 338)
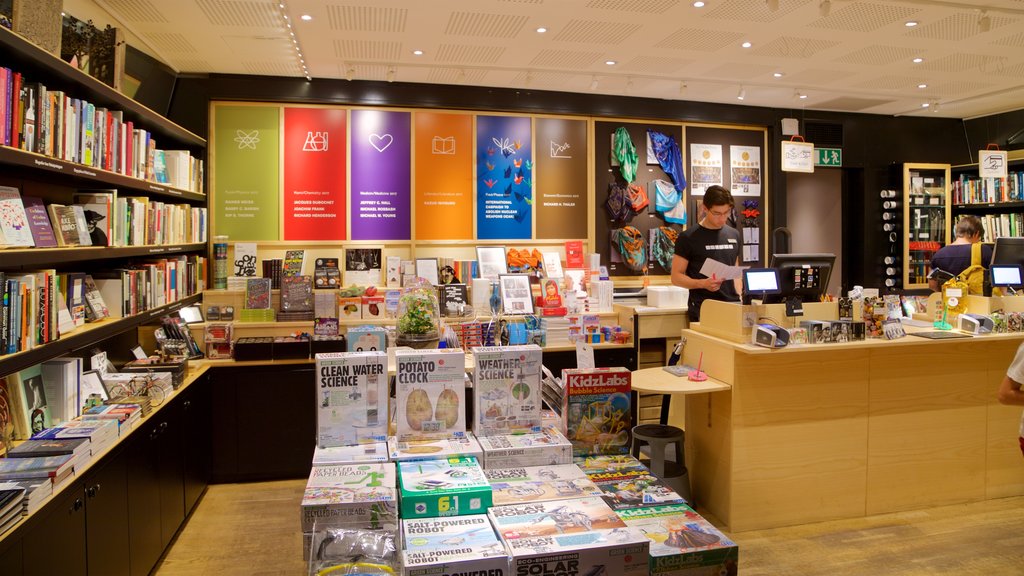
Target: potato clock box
point(597, 410)
point(348, 493)
point(430, 393)
point(630, 488)
point(352, 398)
point(682, 542)
point(619, 552)
point(506, 389)
point(367, 339)
point(449, 487)
point(459, 545)
point(539, 484)
point(555, 517)
point(410, 450)
point(544, 448)
point(358, 454)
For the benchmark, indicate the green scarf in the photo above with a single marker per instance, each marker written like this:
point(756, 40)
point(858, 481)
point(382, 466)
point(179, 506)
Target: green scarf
point(625, 153)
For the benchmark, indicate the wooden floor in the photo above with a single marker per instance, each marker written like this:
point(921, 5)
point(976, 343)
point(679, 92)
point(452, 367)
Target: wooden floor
point(253, 530)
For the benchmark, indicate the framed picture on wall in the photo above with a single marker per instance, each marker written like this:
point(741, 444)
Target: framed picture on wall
point(516, 295)
point(491, 261)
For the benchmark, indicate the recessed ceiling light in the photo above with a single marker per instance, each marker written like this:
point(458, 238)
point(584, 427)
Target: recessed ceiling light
point(610, 62)
point(306, 17)
point(418, 52)
point(922, 85)
point(778, 74)
point(925, 105)
point(541, 30)
point(918, 60)
point(910, 23)
point(698, 4)
point(802, 96)
point(746, 44)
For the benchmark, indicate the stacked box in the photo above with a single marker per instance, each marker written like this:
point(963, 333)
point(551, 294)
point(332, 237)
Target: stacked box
point(544, 448)
point(618, 552)
point(410, 450)
point(536, 519)
point(607, 463)
point(367, 338)
point(352, 398)
point(682, 542)
point(358, 454)
point(506, 389)
point(430, 393)
point(539, 484)
point(629, 488)
point(342, 494)
point(597, 410)
point(449, 546)
point(449, 487)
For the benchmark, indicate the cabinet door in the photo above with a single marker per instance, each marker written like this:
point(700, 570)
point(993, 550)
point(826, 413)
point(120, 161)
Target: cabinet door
point(10, 557)
point(106, 517)
point(56, 542)
point(277, 417)
point(223, 426)
point(144, 499)
point(196, 411)
point(171, 469)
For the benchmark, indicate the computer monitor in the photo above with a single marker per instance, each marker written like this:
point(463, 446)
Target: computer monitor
point(760, 282)
point(1006, 275)
point(1008, 250)
point(803, 276)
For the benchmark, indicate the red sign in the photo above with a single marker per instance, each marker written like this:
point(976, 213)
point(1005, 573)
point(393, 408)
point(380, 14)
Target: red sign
point(314, 174)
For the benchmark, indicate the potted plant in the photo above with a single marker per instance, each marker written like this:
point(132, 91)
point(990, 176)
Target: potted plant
point(418, 316)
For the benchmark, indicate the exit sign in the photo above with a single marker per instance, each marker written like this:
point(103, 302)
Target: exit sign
point(828, 156)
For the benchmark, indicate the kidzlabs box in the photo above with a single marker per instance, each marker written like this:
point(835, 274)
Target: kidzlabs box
point(682, 542)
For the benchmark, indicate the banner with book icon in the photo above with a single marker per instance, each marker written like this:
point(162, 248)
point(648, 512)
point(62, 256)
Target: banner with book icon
point(444, 182)
point(314, 174)
point(247, 146)
point(380, 175)
point(561, 178)
point(504, 178)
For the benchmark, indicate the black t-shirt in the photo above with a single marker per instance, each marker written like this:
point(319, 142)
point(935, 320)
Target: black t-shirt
point(697, 245)
point(956, 258)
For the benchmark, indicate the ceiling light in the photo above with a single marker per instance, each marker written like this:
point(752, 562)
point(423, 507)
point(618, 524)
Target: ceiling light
point(799, 95)
point(461, 77)
point(746, 44)
point(593, 82)
point(925, 105)
point(350, 72)
point(541, 30)
point(984, 21)
point(306, 17)
point(918, 60)
point(910, 23)
point(742, 94)
point(778, 74)
point(391, 74)
point(682, 87)
point(285, 16)
point(824, 8)
point(698, 4)
point(629, 84)
point(417, 52)
point(610, 62)
point(922, 85)
point(773, 5)
point(529, 79)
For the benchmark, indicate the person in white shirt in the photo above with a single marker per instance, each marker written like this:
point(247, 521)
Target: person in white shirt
point(1010, 390)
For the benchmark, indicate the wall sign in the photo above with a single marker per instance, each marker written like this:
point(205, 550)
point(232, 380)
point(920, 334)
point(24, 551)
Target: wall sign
point(380, 175)
point(992, 163)
point(561, 206)
point(246, 202)
point(504, 178)
point(797, 156)
point(444, 176)
point(314, 174)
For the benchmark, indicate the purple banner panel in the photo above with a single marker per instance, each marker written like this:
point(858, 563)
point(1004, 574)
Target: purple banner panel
point(380, 169)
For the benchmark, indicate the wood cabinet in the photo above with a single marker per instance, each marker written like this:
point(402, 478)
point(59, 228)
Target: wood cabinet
point(106, 517)
point(926, 219)
point(196, 412)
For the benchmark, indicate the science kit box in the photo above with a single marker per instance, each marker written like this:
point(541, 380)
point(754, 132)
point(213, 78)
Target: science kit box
point(448, 487)
point(430, 392)
point(539, 484)
point(341, 494)
point(602, 464)
point(506, 389)
point(597, 410)
point(544, 448)
point(458, 545)
point(618, 552)
point(357, 454)
point(409, 450)
point(555, 517)
point(682, 542)
point(352, 398)
point(628, 488)
point(367, 338)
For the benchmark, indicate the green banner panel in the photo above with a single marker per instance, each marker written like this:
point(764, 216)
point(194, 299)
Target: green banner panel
point(246, 172)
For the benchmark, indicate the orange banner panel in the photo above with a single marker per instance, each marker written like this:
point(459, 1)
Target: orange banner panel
point(443, 145)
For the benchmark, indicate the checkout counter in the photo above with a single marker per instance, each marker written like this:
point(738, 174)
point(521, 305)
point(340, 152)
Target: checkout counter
point(817, 432)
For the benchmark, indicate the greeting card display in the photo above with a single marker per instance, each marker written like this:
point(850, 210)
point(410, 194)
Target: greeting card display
point(506, 389)
point(352, 398)
point(430, 393)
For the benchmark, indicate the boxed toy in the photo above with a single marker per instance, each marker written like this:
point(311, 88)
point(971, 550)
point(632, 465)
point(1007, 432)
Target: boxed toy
point(352, 398)
point(358, 454)
point(539, 484)
point(547, 447)
point(450, 487)
point(597, 410)
point(682, 542)
point(449, 546)
point(506, 389)
point(350, 307)
point(367, 339)
point(409, 450)
point(630, 488)
point(618, 552)
point(609, 463)
point(372, 307)
point(430, 393)
point(348, 493)
point(554, 517)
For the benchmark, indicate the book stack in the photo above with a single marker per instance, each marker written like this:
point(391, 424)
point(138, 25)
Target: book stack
point(126, 415)
point(12, 505)
point(101, 433)
point(78, 448)
point(36, 492)
point(55, 468)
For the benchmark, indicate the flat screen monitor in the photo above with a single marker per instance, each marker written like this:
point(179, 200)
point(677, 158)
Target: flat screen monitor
point(1008, 250)
point(1006, 275)
point(803, 276)
point(761, 281)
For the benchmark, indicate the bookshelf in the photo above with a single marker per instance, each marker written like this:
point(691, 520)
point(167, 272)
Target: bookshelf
point(998, 202)
point(926, 217)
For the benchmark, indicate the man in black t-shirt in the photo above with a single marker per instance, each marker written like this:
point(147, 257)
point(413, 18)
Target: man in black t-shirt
point(711, 238)
point(956, 257)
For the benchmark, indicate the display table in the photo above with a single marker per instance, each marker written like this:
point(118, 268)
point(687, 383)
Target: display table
point(819, 432)
point(658, 381)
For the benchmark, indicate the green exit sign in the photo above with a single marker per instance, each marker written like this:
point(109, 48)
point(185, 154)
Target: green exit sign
point(828, 156)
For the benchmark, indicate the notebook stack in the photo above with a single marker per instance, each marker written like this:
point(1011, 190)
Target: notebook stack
point(12, 505)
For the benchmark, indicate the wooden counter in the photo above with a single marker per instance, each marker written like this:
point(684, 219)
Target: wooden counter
point(820, 432)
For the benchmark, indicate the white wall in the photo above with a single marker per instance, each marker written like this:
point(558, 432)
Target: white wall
point(814, 214)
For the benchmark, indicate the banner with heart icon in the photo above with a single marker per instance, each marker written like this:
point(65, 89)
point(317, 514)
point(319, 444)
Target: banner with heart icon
point(381, 175)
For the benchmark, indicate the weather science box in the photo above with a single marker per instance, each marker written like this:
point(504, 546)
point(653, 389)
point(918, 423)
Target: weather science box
point(547, 447)
point(352, 398)
point(430, 393)
point(597, 410)
point(455, 545)
point(450, 487)
point(506, 389)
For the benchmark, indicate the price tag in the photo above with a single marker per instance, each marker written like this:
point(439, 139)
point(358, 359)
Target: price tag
point(584, 355)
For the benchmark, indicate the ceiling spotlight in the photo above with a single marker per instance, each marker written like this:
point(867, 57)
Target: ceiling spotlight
point(773, 5)
point(698, 4)
point(391, 74)
point(682, 87)
point(778, 74)
point(461, 76)
point(742, 94)
point(593, 82)
point(746, 44)
point(925, 104)
point(910, 23)
point(922, 85)
point(529, 78)
point(417, 52)
point(799, 95)
point(306, 17)
point(917, 60)
point(610, 62)
point(824, 8)
point(629, 84)
point(541, 30)
point(984, 21)
point(350, 73)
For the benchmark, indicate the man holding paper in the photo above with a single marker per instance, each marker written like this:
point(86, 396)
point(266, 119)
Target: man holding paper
point(707, 256)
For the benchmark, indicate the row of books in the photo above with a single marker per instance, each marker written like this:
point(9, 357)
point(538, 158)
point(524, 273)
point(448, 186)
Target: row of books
point(150, 284)
point(97, 218)
point(973, 190)
point(56, 124)
point(1001, 225)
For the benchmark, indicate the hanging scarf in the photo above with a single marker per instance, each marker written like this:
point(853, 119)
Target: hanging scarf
point(625, 153)
point(671, 159)
point(665, 195)
point(618, 203)
point(631, 246)
point(663, 248)
point(637, 198)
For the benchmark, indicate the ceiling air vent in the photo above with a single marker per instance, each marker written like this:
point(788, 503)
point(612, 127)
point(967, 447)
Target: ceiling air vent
point(824, 134)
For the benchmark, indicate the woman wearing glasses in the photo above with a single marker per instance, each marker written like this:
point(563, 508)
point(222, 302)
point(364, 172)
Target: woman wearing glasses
point(712, 238)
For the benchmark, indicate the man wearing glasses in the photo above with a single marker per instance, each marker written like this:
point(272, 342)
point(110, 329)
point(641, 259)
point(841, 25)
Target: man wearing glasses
point(711, 238)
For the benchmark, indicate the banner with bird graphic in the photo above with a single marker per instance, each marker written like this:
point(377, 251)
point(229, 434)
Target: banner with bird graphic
point(504, 178)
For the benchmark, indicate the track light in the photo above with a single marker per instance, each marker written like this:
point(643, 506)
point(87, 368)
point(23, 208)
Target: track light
point(529, 79)
point(824, 8)
point(742, 94)
point(629, 85)
point(391, 74)
point(773, 5)
point(682, 88)
point(350, 72)
point(984, 21)
point(799, 95)
point(593, 82)
point(461, 76)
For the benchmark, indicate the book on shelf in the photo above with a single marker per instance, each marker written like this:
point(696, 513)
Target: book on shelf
point(55, 468)
point(95, 306)
point(81, 225)
point(15, 230)
point(54, 447)
point(61, 381)
point(296, 294)
point(29, 403)
point(12, 505)
point(257, 293)
point(99, 207)
point(293, 261)
point(73, 284)
point(325, 314)
point(36, 492)
point(65, 225)
point(39, 222)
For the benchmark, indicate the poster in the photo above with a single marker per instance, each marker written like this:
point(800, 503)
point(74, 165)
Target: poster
point(362, 267)
point(561, 178)
point(314, 174)
point(380, 175)
point(247, 147)
point(745, 170)
point(504, 174)
point(705, 167)
point(797, 156)
point(444, 176)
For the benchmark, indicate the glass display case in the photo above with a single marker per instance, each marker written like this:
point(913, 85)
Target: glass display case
point(926, 219)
